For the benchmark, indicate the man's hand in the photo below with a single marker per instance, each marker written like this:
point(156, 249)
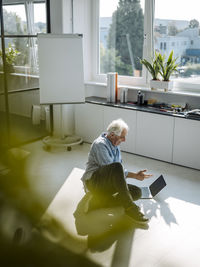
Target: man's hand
point(141, 175)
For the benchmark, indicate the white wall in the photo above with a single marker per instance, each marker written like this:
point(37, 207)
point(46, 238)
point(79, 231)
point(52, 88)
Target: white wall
point(61, 22)
point(83, 24)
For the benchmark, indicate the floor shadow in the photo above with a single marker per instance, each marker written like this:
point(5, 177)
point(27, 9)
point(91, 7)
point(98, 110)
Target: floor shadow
point(151, 207)
point(103, 227)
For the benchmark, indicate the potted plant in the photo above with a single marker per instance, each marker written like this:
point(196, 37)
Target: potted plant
point(165, 70)
point(11, 55)
point(154, 67)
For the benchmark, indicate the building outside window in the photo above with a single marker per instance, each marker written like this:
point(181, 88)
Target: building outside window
point(183, 29)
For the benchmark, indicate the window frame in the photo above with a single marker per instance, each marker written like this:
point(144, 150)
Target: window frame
point(148, 51)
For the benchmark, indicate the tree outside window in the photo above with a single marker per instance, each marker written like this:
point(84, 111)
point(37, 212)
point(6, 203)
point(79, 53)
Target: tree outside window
point(124, 39)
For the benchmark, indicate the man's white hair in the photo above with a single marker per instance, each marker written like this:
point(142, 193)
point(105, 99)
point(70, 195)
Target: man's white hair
point(117, 126)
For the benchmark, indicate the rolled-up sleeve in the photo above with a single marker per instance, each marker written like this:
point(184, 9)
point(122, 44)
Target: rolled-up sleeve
point(125, 172)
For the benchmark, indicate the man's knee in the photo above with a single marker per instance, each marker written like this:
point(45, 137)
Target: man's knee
point(135, 191)
point(117, 166)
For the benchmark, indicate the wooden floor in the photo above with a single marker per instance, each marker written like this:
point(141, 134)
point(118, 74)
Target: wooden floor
point(172, 239)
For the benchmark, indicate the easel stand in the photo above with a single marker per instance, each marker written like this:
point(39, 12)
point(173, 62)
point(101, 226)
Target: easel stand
point(65, 141)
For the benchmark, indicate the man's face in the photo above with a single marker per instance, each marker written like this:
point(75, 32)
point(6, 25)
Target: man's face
point(116, 140)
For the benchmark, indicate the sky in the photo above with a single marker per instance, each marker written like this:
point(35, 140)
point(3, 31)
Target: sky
point(164, 9)
point(39, 12)
point(178, 9)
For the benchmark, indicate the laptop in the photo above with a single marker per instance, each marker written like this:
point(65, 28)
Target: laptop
point(154, 188)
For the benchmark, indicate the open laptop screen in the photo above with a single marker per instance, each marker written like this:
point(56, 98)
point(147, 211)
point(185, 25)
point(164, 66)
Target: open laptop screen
point(157, 185)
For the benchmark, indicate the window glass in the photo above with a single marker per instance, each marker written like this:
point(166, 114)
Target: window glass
point(180, 32)
point(28, 18)
point(121, 31)
point(14, 19)
point(1, 72)
point(40, 18)
point(22, 63)
point(22, 22)
point(23, 126)
point(3, 124)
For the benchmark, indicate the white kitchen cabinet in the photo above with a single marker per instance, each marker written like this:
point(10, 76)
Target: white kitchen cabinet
point(154, 137)
point(161, 137)
point(186, 150)
point(88, 121)
point(129, 116)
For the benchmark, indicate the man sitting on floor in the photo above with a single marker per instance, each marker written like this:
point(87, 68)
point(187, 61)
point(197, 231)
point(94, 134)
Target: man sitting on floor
point(105, 177)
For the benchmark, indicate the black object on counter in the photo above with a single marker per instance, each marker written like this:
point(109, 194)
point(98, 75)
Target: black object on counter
point(140, 98)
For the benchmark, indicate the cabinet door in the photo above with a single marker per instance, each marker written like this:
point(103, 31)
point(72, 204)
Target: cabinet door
point(186, 150)
point(154, 136)
point(88, 121)
point(129, 116)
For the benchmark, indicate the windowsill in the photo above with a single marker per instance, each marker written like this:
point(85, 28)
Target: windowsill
point(21, 74)
point(175, 91)
point(25, 75)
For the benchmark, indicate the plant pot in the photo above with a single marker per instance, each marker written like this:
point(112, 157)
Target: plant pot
point(164, 85)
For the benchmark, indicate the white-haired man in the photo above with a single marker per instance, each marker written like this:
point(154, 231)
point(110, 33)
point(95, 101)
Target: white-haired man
point(105, 177)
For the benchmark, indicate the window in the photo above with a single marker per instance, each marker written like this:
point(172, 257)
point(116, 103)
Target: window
point(122, 39)
point(22, 22)
point(182, 28)
point(124, 33)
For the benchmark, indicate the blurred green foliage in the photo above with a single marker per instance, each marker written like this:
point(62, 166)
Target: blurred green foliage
point(21, 241)
point(11, 55)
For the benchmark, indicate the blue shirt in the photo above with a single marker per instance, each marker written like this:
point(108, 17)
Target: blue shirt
point(102, 152)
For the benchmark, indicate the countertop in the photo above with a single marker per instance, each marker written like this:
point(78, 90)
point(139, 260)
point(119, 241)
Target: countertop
point(144, 108)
